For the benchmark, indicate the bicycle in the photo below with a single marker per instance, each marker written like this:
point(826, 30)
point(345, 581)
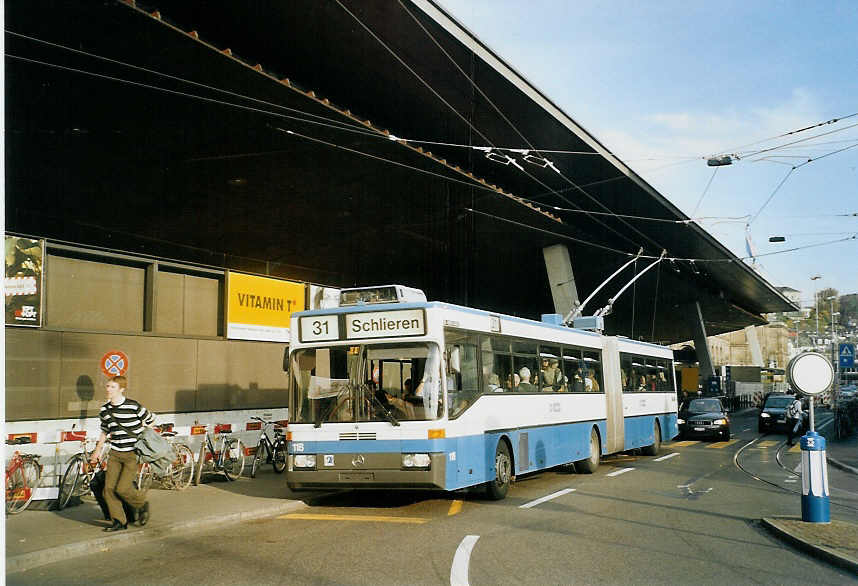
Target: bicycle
point(272, 452)
point(179, 473)
point(229, 459)
point(23, 474)
point(78, 475)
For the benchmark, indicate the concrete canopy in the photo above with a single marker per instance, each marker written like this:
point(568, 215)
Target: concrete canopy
point(244, 170)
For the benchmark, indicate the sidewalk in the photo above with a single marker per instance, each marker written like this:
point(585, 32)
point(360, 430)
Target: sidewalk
point(835, 542)
point(36, 538)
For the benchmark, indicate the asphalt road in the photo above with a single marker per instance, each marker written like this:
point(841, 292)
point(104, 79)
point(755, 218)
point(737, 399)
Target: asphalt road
point(688, 516)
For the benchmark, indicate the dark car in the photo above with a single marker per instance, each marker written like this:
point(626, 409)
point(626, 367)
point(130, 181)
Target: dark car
point(773, 413)
point(705, 418)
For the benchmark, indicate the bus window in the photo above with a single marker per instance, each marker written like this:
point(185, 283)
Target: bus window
point(463, 381)
point(572, 369)
point(592, 370)
point(627, 373)
point(550, 373)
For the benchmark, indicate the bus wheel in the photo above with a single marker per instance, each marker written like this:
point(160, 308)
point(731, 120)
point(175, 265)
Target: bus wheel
point(589, 465)
point(497, 488)
point(652, 449)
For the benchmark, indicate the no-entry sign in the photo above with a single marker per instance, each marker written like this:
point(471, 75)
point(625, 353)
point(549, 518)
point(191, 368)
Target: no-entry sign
point(114, 363)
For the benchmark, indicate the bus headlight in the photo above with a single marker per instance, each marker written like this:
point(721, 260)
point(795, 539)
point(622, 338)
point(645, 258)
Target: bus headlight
point(304, 461)
point(413, 461)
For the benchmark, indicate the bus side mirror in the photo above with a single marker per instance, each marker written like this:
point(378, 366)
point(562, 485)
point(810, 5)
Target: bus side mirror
point(286, 360)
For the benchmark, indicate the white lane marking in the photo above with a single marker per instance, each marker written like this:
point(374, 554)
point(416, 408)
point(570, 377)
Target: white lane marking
point(461, 561)
point(747, 429)
point(620, 471)
point(553, 495)
point(667, 457)
point(790, 480)
point(797, 469)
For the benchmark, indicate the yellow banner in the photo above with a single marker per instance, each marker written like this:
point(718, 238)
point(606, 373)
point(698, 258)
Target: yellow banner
point(259, 308)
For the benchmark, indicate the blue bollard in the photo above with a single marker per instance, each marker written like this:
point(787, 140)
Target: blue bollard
point(814, 479)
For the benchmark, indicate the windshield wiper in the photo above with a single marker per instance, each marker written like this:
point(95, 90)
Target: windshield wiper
point(320, 418)
point(384, 411)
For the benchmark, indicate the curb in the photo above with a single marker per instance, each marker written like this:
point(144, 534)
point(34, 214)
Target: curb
point(841, 465)
point(824, 553)
point(42, 557)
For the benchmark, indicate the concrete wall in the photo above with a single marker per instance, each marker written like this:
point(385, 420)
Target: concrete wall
point(56, 374)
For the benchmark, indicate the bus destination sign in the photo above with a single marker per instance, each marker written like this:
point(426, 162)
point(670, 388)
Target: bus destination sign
point(375, 324)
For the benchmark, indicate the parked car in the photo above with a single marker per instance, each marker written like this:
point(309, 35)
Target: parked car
point(773, 413)
point(706, 418)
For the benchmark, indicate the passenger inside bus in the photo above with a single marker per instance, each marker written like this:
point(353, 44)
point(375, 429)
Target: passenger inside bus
point(512, 382)
point(494, 384)
point(525, 386)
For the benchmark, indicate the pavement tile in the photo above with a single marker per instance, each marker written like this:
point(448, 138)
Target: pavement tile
point(38, 537)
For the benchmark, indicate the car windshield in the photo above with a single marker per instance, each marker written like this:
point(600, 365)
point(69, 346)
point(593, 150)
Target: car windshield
point(778, 402)
point(704, 405)
point(383, 382)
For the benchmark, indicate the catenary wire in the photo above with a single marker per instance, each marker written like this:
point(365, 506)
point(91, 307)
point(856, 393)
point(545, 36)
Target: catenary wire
point(354, 126)
point(517, 131)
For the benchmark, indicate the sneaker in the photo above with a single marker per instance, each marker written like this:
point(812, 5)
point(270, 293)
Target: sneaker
point(143, 514)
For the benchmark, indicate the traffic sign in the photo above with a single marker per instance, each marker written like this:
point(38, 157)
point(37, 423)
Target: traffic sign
point(810, 373)
point(114, 363)
point(846, 356)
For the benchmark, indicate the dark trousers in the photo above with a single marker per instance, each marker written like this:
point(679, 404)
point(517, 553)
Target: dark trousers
point(119, 484)
point(793, 427)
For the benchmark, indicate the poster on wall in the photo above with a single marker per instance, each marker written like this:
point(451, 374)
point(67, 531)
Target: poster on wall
point(259, 308)
point(23, 281)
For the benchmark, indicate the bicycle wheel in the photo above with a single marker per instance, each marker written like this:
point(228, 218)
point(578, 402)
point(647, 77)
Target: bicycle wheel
point(279, 457)
point(70, 481)
point(258, 459)
point(21, 486)
point(233, 461)
point(183, 467)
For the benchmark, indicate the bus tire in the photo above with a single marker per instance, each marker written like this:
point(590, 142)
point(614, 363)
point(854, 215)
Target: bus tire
point(496, 489)
point(652, 449)
point(591, 464)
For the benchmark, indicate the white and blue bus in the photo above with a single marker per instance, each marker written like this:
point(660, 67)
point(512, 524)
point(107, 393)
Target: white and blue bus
point(391, 391)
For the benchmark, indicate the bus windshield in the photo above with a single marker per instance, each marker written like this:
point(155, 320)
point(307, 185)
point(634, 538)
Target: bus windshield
point(383, 382)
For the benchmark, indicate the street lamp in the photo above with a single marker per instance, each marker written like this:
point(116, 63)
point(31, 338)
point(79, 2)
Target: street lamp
point(816, 307)
point(834, 358)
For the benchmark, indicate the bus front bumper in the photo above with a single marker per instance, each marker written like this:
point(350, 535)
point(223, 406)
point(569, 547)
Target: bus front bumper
point(367, 471)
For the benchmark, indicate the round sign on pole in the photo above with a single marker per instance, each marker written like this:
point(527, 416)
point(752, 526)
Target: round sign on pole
point(114, 363)
point(810, 373)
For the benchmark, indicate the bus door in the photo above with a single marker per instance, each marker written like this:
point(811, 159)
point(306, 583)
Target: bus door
point(615, 442)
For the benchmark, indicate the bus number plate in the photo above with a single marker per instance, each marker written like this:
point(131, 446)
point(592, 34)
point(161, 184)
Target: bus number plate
point(357, 476)
point(319, 327)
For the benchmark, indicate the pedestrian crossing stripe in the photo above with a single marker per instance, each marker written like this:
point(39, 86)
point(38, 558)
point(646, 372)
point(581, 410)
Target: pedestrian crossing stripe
point(721, 445)
point(764, 445)
point(684, 444)
point(795, 449)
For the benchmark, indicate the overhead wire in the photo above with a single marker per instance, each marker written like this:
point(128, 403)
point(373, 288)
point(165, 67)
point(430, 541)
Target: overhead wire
point(514, 127)
point(335, 127)
point(459, 115)
point(785, 134)
point(355, 126)
point(853, 236)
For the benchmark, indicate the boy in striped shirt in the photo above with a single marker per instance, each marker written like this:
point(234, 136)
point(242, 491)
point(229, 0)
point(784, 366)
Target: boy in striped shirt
point(122, 421)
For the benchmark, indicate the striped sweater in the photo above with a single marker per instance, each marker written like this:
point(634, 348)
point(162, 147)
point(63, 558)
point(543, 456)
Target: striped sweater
point(126, 424)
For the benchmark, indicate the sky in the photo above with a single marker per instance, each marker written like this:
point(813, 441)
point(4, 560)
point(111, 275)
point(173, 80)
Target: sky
point(666, 84)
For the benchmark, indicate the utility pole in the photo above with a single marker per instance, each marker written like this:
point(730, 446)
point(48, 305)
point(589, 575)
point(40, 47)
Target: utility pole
point(815, 278)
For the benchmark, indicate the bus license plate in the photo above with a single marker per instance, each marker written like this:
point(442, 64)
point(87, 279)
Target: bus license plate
point(357, 476)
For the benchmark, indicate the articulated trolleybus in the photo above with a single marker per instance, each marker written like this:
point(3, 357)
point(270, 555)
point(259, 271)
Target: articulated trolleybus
point(391, 391)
